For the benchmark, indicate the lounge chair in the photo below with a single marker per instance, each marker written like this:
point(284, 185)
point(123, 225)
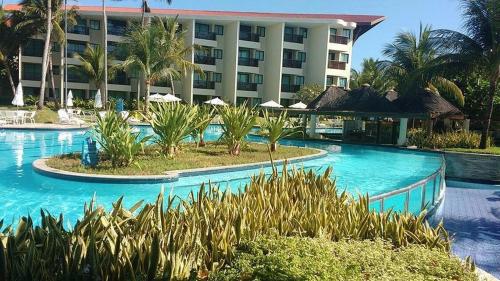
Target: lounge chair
point(125, 115)
point(30, 116)
point(65, 118)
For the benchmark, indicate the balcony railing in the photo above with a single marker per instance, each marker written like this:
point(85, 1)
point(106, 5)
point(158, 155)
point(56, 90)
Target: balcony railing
point(339, 39)
point(336, 64)
point(246, 86)
point(203, 84)
point(204, 59)
point(117, 30)
point(205, 35)
point(248, 61)
point(294, 38)
point(248, 36)
point(289, 88)
point(292, 63)
point(79, 29)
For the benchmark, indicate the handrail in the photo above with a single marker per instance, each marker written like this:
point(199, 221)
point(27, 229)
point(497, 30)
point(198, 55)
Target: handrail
point(419, 184)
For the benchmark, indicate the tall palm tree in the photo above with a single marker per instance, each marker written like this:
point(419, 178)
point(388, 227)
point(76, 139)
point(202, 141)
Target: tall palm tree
point(92, 66)
point(478, 49)
point(372, 73)
point(146, 9)
point(157, 52)
point(411, 59)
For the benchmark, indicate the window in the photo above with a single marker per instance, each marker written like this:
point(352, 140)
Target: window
point(256, 101)
point(245, 29)
point(202, 28)
point(244, 53)
point(330, 80)
point(286, 79)
point(241, 101)
point(259, 78)
point(333, 31)
point(261, 31)
point(95, 24)
point(299, 80)
point(219, 29)
point(243, 77)
point(76, 47)
point(217, 77)
point(301, 56)
point(289, 30)
point(218, 54)
point(117, 27)
point(346, 33)
point(303, 32)
point(343, 82)
point(344, 58)
point(32, 71)
point(259, 55)
point(331, 56)
point(198, 77)
point(34, 48)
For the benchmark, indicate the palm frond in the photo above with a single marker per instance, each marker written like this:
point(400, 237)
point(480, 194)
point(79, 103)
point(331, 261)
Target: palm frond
point(449, 90)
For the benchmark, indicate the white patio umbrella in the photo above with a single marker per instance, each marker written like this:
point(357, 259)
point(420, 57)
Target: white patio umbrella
point(299, 105)
point(171, 98)
point(98, 99)
point(215, 101)
point(271, 104)
point(69, 99)
point(18, 97)
point(157, 98)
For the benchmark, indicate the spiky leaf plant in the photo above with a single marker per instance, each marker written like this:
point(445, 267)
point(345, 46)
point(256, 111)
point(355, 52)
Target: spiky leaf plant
point(276, 128)
point(204, 116)
point(237, 123)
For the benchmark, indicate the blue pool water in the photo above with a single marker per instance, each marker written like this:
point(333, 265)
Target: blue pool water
point(359, 169)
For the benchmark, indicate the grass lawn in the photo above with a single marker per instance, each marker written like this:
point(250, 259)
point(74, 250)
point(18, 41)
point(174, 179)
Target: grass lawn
point(153, 163)
point(490, 150)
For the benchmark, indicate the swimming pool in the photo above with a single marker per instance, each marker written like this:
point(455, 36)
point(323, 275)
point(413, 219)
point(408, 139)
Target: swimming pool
point(358, 169)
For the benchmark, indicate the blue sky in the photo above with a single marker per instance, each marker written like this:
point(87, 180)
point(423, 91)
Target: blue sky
point(402, 15)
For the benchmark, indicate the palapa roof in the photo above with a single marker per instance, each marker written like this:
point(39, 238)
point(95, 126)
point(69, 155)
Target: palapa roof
point(425, 101)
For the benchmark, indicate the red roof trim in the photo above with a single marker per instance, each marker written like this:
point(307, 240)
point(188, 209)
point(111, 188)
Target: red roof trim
point(360, 19)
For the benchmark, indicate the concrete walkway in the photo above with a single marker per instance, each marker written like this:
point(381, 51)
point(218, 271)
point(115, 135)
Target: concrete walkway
point(472, 216)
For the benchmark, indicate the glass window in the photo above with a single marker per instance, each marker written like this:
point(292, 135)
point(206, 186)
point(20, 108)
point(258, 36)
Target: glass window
point(346, 33)
point(301, 56)
point(333, 31)
point(256, 101)
point(303, 32)
point(344, 58)
point(259, 55)
point(299, 80)
point(261, 31)
point(217, 77)
point(34, 47)
point(343, 82)
point(95, 24)
point(77, 47)
point(287, 54)
point(289, 30)
point(243, 77)
point(198, 77)
point(244, 53)
point(202, 28)
point(117, 27)
point(218, 53)
point(330, 80)
point(331, 56)
point(245, 29)
point(259, 78)
point(219, 29)
point(286, 79)
point(32, 71)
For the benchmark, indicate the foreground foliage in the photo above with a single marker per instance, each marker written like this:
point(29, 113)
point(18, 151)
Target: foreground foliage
point(420, 138)
point(294, 258)
point(177, 240)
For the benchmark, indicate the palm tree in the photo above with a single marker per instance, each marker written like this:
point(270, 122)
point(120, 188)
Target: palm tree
point(92, 66)
point(476, 50)
point(372, 73)
point(412, 59)
point(146, 9)
point(158, 52)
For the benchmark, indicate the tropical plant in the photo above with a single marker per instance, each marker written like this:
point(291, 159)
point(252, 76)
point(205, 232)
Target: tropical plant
point(172, 123)
point(476, 50)
point(145, 10)
point(158, 52)
point(118, 141)
point(182, 239)
point(421, 138)
point(277, 128)
point(372, 72)
point(411, 60)
point(308, 93)
point(203, 118)
point(237, 123)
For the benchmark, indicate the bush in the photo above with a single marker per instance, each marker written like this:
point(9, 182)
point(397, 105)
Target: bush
point(238, 122)
point(277, 128)
point(83, 103)
point(420, 138)
point(182, 239)
point(294, 258)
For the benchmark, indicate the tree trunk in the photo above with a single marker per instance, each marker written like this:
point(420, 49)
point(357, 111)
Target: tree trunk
point(274, 146)
point(45, 54)
point(172, 84)
point(52, 83)
point(143, 15)
point(104, 93)
point(146, 97)
point(202, 140)
point(235, 150)
point(487, 124)
point(9, 76)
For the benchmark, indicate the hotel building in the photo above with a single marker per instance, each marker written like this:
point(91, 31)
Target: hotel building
point(246, 56)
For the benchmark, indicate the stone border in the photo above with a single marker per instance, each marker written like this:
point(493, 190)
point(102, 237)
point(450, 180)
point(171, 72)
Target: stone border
point(40, 166)
point(44, 127)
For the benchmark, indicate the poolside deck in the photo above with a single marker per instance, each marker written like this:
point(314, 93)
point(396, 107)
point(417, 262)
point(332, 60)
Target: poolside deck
point(472, 216)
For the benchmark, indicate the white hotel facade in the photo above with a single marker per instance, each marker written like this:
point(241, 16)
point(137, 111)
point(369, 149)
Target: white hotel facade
point(253, 57)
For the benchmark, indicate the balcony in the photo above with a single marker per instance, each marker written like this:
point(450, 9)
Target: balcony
point(248, 36)
point(289, 88)
point(336, 64)
point(248, 61)
point(203, 84)
point(204, 59)
point(79, 29)
point(246, 86)
point(120, 80)
point(339, 39)
point(292, 63)
point(205, 35)
point(117, 30)
point(294, 38)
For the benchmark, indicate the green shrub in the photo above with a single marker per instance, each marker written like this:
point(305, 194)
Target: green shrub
point(117, 139)
point(277, 128)
point(237, 123)
point(420, 138)
point(30, 100)
point(179, 239)
point(294, 258)
point(203, 118)
point(83, 103)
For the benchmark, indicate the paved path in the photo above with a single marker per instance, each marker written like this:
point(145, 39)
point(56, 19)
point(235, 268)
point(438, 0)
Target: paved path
point(472, 216)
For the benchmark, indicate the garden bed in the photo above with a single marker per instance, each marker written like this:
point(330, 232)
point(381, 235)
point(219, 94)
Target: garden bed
point(152, 162)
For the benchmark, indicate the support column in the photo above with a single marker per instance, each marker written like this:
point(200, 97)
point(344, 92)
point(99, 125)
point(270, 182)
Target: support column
point(230, 59)
point(312, 126)
point(403, 126)
point(466, 125)
point(187, 87)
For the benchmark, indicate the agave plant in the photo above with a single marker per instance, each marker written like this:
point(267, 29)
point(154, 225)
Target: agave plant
point(277, 128)
point(117, 139)
point(172, 123)
point(238, 121)
point(204, 116)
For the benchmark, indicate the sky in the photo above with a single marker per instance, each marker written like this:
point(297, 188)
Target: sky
point(401, 15)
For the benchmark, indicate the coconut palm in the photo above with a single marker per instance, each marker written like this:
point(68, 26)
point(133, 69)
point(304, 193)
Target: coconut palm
point(476, 50)
point(277, 128)
point(372, 73)
point(238, 121)
point(411, 59)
